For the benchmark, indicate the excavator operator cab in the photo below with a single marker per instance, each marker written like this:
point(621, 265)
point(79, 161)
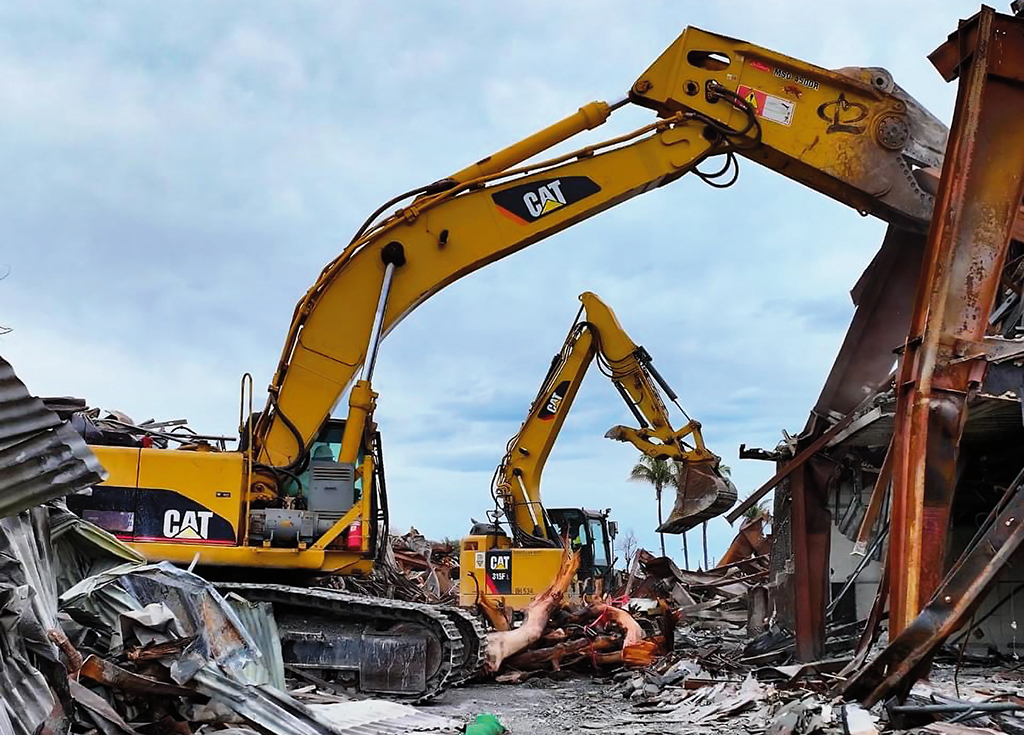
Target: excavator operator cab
point(325, 491)
point(589, 532)
point(323, 454)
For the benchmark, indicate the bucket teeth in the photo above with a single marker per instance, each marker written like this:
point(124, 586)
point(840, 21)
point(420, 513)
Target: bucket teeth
point(701, 494)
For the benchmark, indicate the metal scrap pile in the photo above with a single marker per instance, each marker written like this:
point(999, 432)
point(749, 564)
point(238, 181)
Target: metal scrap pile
point(415, 569)
point(93, 640)
point(115, 428)
point(722, 599)
point(433, 565)
point(135, 648)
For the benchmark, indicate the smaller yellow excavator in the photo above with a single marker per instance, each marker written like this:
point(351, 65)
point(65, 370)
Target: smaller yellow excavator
point(511, 567)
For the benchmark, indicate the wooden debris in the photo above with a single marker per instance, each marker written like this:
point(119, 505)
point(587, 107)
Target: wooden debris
point(504, 643)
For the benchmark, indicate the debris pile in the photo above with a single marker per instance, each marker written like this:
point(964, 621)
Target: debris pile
point(414, 569)
point(721, 599)
point(114, 428)
point(698, 691)
point(133, 643)
point(433, 565)
point(670, 612)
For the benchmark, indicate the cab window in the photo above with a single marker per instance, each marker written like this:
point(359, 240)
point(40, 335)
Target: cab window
point(326, 446)
point(600, 548)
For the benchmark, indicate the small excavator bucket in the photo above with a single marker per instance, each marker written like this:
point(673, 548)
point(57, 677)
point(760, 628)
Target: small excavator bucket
point(702, 493)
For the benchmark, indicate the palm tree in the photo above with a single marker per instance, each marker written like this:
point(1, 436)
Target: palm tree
point(758, 511)
point(657, 472)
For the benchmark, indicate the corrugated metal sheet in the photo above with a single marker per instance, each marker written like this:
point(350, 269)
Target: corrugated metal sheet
point(197, 607)
point(987, 417)
point(28, 612)
point(99, 602)
point(274, 711)
point(41, 458)
point(258, 619)
point(379, 717)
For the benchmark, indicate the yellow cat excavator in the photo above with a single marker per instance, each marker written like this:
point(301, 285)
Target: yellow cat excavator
point(511, 568)
point(305, 493)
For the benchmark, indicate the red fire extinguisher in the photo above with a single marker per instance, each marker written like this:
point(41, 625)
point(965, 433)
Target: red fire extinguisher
point(355, 536)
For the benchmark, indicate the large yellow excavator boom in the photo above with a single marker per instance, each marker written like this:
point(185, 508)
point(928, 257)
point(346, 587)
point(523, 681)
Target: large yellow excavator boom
point(850, 134)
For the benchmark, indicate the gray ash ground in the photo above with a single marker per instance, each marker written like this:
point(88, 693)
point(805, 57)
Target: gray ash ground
point(541, 705)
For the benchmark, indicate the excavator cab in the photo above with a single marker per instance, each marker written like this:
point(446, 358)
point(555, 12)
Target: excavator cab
point(323, 492)
point(592, 533)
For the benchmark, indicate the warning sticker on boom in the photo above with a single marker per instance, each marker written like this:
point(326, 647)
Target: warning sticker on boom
point(768, 106)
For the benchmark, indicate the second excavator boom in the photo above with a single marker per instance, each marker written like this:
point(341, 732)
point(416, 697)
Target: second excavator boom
point(515, 566)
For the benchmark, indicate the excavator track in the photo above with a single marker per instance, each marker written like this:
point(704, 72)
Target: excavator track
point(345, 617)
point(474, 639)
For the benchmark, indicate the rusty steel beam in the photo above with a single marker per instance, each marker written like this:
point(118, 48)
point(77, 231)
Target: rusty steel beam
point(908, 656)
point(874, 503)
point(978, 198)
point(810, 529)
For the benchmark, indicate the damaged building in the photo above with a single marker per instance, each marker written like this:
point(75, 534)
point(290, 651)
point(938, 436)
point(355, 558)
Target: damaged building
point(913, 444)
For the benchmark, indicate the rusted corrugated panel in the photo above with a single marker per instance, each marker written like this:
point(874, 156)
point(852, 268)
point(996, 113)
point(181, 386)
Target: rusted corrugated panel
point(258, 619)
point(41, 458)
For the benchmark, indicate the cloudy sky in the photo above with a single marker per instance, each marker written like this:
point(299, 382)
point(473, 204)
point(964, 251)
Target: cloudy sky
point(173, 176)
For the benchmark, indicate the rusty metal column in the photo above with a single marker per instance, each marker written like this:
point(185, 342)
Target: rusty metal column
point(978, 197)
point(810, 529)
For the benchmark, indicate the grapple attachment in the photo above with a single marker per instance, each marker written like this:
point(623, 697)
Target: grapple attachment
point(702, 493)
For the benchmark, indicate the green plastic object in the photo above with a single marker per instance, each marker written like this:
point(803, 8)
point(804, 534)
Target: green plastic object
point(485, 725)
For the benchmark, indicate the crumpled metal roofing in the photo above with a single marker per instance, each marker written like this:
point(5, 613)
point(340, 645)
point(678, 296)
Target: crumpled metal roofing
point(30, 555)
point(28, 612)
point(197, 607)
point(258, 618)
point(274, 711)
point(41, 457)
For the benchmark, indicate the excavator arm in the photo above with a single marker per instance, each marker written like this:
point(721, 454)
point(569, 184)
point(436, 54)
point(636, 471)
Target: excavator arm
point(852, 135)
point(596, 334)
